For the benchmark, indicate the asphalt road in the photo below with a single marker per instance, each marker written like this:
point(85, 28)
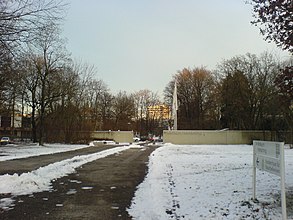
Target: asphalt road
point(102, 189)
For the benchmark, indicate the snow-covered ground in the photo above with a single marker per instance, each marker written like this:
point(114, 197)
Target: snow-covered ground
point(183, 182)
point(13, 151)
point(208, 182)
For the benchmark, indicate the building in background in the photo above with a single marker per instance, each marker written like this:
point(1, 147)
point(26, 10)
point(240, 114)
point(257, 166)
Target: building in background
point(159, 112)
point(17, 126)
point(159, 116)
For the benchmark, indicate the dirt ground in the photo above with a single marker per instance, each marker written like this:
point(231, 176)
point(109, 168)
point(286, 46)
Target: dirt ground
point(102, 189)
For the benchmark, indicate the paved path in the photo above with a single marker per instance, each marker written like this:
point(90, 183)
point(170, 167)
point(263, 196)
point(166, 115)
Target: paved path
point(28, 164)
point(102, 189)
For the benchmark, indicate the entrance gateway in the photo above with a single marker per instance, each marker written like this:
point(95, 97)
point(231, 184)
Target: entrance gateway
point(269, 157)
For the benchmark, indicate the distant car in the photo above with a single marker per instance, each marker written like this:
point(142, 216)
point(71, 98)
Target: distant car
point(136, 139)
point(5, 140)
point(158, 139)
point(143, 138)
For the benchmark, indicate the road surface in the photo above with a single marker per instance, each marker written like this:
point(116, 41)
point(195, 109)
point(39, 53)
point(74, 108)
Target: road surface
point(102, 189)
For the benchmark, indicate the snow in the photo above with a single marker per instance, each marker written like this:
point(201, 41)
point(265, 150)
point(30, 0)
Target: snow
point(11, 151)
point(207, 182)
point(183, 182)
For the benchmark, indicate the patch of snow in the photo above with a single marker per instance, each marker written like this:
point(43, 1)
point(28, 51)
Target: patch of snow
point(207, 182)
point(18, 152)
point(103, 142)
point(71, 192)
point(6, 203)
point(136, 146)
point(74, 181)
point(87, 187)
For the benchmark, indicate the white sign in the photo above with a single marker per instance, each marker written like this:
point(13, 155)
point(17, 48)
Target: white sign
point(267, 149)
point(269, 157)
point(268, 164)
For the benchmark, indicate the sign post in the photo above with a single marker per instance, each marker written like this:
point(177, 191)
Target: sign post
point(269, 157)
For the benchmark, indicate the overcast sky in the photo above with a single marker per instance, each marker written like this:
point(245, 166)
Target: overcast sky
point(140, 44)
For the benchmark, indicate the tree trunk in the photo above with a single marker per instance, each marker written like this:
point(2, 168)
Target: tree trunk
point(34, 127)
point(42, 112)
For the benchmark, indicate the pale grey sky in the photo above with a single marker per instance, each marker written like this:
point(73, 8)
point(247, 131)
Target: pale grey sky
point(140, 44)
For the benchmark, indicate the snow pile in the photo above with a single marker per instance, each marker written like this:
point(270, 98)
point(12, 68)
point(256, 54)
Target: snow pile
point(103, 142)
point(207, 182)
point(16, 152)
point(137, 146)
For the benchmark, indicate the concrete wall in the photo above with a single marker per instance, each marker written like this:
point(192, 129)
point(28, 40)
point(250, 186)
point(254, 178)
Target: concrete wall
point(117, 136)
point(216, 137)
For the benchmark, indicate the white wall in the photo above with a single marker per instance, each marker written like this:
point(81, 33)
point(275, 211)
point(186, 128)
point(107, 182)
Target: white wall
point(214, 137)
point(117, 136)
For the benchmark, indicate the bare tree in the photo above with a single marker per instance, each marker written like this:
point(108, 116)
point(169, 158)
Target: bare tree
point(80, 108)
point(196, 93)
point(123, 111)
point(93, 96)
point(106, 103)
point(19, 19)
point(96, 92)
point(235, 94)
point(48, 58)
point(284, 84)
point(19, 22)
point(259, 73)
point(144, 99)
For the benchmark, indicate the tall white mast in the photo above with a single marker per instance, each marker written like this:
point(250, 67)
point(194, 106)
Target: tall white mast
point(175, 107)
